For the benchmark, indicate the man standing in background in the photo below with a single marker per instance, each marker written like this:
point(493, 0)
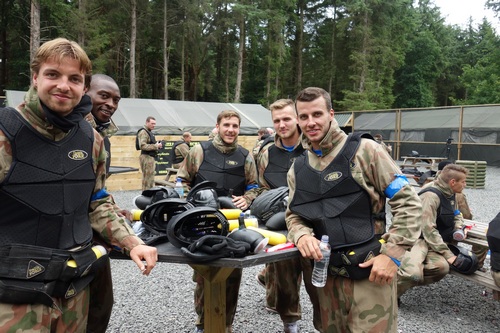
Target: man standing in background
point(147, 144)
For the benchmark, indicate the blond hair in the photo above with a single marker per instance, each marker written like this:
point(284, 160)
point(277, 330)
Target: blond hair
point(59, 49)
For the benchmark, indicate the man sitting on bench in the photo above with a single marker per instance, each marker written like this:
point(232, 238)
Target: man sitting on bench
point(430, 258)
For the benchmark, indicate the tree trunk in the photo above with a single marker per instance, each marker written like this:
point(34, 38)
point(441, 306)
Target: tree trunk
point(133, 36)
point(165, 51)
point(35, 28)
point(300, 45)
point(241, 50)
point(82, 12)
point(183, 68)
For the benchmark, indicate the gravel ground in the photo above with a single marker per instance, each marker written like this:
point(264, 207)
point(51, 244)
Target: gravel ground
point(163, 302)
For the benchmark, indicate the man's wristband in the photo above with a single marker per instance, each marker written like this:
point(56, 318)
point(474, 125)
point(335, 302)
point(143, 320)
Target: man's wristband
point(396, 261)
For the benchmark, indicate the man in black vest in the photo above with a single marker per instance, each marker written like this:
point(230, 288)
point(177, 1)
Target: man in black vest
point(53, 196)
point(147, 144)
point(339, 187)
point(232, 168)
point(431, 256)
point(180, 149)
point(105, 96)
point(277, 153)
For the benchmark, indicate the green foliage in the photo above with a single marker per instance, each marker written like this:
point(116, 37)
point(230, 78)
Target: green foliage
point(369, 54)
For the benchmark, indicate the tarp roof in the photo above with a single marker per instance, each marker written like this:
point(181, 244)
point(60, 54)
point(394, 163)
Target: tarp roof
point(175, 117)
point(477, 117)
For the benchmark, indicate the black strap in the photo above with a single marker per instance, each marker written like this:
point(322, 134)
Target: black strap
point(212, 247)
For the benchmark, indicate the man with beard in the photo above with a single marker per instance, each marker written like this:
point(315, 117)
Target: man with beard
point(232, 168)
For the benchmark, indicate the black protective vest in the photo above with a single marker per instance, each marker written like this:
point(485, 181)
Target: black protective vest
point(44, 199)
point(152, 139)
point(175, 159)
point(280, 161)
point(227, 170)
point(332, 201)
point(107, 147)
point(445, 216)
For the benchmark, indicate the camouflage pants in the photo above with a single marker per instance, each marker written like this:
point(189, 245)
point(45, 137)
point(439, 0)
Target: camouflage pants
point(346, 305)
point(101, 300)
point(420, 266)
point(232, 290)
point(283, 281)
point(148, 169)
point(70, 316)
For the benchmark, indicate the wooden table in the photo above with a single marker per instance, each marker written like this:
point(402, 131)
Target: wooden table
point(429, 162)
point(215, 274)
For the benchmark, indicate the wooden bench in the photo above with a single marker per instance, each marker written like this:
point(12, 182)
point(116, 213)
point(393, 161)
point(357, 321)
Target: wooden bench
point(477, 236)
point(170, 172)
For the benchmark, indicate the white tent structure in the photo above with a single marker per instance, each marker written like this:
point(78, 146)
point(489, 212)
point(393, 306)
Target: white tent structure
point(175, 117)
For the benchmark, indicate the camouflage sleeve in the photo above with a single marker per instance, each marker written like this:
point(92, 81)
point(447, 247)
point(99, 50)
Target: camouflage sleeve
point(252, 186)
point(430, 206)
point(144, 141)
point(375, 171)
point(262, 162)
point(295, 225)
point(103, 217)
point(5, 156)
point(463, 206)
point(188, 170)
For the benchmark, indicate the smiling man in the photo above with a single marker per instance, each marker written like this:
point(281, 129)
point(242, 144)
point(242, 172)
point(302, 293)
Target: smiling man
point(52, 198)
point(339, 187)
point(232, 168)
point(105, 96)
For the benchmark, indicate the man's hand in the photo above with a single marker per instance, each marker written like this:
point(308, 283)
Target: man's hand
point(146, 253)
point(309, 247)
point(240, 202)
point(383, 269)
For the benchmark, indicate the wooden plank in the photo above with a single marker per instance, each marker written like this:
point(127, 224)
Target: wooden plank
point(482, 278)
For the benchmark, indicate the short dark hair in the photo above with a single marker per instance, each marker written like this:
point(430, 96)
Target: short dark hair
point(311, 93)
point(228, 114)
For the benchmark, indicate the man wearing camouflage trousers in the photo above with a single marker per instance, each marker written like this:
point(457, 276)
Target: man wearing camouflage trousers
point(281, 279)
point(149, 147)
point(342, 183)
point(233, 169)
point(52, 196)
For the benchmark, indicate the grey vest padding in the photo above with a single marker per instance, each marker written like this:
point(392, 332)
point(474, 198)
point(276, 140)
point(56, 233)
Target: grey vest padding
point(280, 161)
point(446, 215)
point(48, 187)
point(332, 201)
point(226, 170)
point(174, 158)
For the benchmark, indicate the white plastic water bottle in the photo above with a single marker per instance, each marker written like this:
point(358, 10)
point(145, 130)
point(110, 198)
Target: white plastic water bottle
point(320, 271)
point(179, 188)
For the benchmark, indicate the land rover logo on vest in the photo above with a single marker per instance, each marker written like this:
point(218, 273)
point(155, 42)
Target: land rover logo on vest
point(333, 176)
point(78, 155)
point(232, 163)
point(34, 269)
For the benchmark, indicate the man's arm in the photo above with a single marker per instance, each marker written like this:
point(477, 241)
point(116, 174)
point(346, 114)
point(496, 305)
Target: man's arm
point(104, 219)
point(430, 206)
